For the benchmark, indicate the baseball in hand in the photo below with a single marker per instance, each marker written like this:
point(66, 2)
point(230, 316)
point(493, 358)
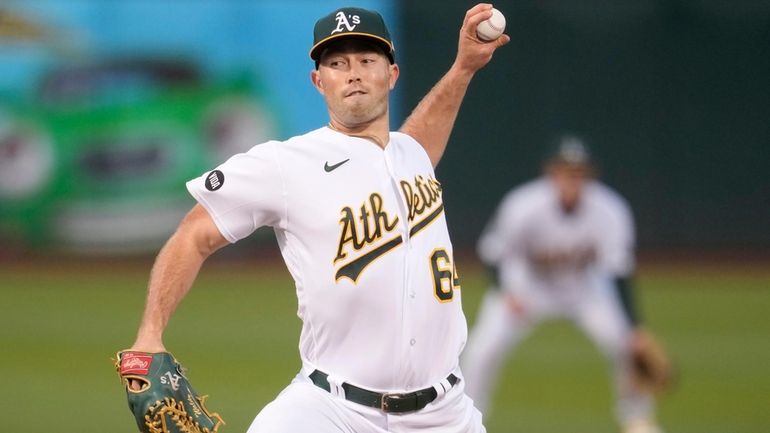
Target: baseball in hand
point(491, 29)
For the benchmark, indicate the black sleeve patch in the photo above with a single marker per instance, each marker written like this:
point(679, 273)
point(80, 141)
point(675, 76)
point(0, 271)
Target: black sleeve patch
point(215, 180)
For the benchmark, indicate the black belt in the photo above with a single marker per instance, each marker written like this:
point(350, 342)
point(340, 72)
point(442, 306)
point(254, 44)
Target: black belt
point(395, 403)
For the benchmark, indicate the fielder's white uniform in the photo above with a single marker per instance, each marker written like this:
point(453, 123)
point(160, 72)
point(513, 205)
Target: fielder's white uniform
point(363, 233)
point(555, 264)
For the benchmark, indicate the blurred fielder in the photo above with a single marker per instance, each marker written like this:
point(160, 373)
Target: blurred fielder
point(562, 246)
point(359, 218)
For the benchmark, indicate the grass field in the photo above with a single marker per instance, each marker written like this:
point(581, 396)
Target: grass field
point(237, 333)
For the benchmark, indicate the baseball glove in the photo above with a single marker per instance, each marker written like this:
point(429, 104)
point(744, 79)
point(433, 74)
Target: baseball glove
point(651, 368)
point(165, 402)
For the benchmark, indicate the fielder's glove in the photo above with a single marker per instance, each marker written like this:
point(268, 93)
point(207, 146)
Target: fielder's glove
point(165, 402)
point(651, 369)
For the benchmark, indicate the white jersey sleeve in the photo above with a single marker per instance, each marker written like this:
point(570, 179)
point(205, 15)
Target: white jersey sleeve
point(244, 193)
point(499, 234)
point(502, 242)
point(617, 243)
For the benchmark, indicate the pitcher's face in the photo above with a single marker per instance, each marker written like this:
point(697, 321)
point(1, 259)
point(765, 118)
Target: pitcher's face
point(355, 78)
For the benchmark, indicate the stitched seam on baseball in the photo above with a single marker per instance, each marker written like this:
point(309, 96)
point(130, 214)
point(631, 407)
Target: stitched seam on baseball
point(494, 27)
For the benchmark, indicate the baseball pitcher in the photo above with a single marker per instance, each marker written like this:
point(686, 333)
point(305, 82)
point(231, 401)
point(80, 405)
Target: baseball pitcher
point(359, 218)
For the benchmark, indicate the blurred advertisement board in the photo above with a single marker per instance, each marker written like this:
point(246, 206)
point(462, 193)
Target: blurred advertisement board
point(107, 108)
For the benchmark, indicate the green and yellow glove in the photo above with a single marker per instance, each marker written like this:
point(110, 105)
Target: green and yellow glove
point(165, 401)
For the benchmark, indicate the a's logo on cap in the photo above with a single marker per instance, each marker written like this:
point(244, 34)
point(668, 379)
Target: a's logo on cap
point(215, 180)
point(342, 20)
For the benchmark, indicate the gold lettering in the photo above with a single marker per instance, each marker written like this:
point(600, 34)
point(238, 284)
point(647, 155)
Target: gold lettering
point(406, 189)
point(374, 223)
point(368, 235)
point(380, 217)
point(348, 233)
point(427, 195)
point(194, 405)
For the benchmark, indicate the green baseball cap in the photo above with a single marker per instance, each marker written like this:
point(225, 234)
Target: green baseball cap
point(569, 149)
point(349, 22)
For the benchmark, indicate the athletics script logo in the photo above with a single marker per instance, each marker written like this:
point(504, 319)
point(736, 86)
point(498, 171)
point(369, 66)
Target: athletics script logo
point(342, 20)
point(373, 225)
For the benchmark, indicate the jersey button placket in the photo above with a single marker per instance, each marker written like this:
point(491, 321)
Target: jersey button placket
point(403, 215)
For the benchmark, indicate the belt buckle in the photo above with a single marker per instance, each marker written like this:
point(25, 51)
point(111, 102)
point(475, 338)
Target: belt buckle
point(387, 398)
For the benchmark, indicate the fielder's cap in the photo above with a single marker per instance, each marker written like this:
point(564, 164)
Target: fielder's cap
point(349, 22)
point(570, 150)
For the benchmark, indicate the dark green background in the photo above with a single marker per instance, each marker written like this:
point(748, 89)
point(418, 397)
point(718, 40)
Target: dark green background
point(672, 96)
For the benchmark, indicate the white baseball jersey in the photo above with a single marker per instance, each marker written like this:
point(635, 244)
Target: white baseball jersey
point(537, 245)
point(363, 233)
point(557, 264)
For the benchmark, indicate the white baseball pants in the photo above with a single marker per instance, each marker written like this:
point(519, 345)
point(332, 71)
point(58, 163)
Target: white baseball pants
point(304, 407)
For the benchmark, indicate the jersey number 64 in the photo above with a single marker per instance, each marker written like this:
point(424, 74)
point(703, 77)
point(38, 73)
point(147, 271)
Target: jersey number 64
point(445, 278)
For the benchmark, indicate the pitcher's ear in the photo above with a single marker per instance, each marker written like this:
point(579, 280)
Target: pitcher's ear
point(315, 78)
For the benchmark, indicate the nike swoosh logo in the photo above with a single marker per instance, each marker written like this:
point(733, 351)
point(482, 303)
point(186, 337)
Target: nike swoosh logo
point(329, 168)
